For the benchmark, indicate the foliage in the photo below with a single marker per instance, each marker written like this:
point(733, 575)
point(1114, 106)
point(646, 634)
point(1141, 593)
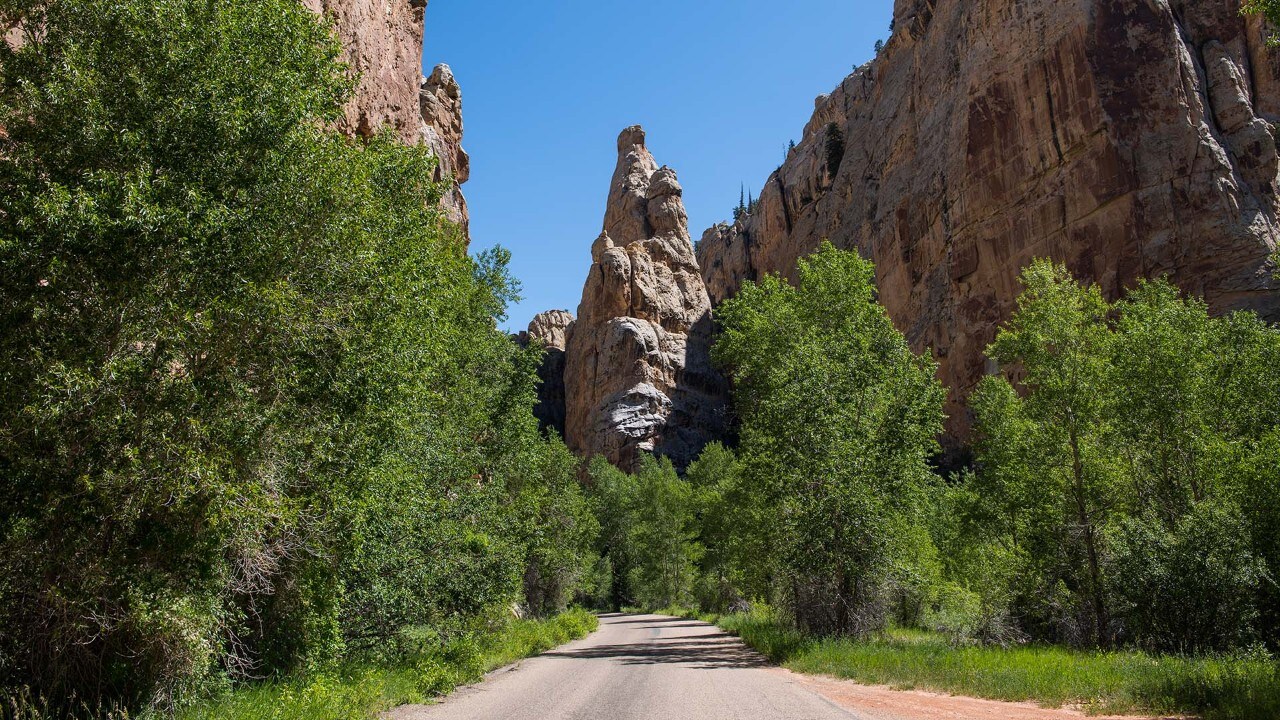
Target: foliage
point(833, 148)
point(1243, 687)
point(838, 420)
point(732, 560)
point(663, 538)
point(649, 533)
point(256, 415)
point(560, 526)
point(363, 691)
point(1192, 586)
point(1049, 476)
point(1269, 9)
point(1125, 476)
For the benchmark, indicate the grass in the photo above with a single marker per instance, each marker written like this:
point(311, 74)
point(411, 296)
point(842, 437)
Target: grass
point(358, 692)
point(1216, 688)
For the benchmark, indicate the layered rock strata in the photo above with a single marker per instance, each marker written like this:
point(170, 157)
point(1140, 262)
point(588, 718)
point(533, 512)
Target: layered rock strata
point(638, 376)
point(382, 41)
point(549, 330)
point(1124, 138)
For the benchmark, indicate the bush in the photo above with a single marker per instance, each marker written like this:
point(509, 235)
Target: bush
point(1192, 588)
point(1125, 474)
point(649, 533)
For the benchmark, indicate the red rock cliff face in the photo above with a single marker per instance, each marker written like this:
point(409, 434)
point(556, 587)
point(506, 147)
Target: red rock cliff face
point(383, 42)
point(1126, 138)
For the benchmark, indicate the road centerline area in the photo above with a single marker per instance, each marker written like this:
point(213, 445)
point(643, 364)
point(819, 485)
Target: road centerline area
point(641, 667)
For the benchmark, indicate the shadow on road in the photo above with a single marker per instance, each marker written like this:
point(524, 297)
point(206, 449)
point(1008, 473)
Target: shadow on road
point(705, 652)
point(666, 622)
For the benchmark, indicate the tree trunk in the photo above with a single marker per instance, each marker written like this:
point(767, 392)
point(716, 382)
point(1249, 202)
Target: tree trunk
point(1091, 545)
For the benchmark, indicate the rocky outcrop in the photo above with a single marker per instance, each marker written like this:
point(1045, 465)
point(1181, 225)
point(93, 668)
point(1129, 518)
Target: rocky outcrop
point(638, 377)
point(1125, 138)
point(440, 102)
point(549, 330)
point(382, 41)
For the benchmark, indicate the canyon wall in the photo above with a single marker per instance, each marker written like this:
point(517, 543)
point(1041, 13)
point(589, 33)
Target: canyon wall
point(382, 41)
point(1125, 138)
point(550, 331)
point(638, 377)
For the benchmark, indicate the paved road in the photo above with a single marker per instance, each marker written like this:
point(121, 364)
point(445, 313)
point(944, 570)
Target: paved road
point(637, 667)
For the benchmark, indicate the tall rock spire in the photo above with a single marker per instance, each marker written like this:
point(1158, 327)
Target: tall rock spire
point(638, 377)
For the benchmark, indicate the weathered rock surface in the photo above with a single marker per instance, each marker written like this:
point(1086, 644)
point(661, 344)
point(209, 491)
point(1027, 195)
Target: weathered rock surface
point(383, 45)
point(638, 376)
point(440, 101)
point(1126, 138)
point(550, 330)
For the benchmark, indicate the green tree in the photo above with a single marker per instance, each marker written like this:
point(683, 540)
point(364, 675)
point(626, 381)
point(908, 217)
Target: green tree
point(561, 528)
point(1060, 342)
point(255, 412)
point(611, 491)
point(1125, 476)
point(838, 420)
point(1196, 398)
point(833, 148)
point(663, 536)
point(734, 564)
point(649, 533)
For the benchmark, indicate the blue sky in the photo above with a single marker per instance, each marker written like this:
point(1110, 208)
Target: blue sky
point(720, 86)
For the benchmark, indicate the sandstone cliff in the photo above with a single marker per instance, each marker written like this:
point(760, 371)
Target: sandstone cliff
point(1126, 138)
point(383, 45)
point(550, 331)
point(638, 376)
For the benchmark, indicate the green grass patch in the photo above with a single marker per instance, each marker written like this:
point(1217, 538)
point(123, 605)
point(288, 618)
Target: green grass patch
point(1217, 688)
point(358, 692)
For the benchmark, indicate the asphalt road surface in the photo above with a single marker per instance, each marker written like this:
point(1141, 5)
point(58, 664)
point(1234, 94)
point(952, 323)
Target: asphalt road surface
point(637, 667)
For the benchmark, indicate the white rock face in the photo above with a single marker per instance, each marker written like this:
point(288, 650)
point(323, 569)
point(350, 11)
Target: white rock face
point(638, 377)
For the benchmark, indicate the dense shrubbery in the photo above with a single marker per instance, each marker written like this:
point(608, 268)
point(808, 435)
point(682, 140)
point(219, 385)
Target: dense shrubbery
point(1130, 477)
point(649, 535)
point(255, 413)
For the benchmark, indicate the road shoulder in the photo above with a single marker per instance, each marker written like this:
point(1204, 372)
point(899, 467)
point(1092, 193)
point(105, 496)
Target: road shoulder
point(884, 703)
